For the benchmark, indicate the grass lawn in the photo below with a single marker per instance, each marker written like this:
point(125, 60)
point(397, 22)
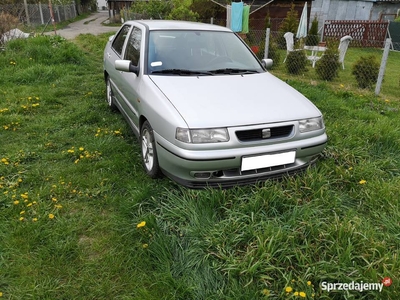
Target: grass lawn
point(80, 220)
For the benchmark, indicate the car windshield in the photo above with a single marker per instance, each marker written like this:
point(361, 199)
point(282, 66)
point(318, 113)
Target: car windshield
point(186, 52)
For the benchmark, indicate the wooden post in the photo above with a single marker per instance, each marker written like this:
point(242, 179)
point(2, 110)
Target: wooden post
point(27, 13)
point(52, 16)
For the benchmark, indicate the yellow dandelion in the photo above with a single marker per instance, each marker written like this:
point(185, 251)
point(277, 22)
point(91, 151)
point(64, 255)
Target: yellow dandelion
point(302, 294)
point(362, 181)
point(51, 216)
point(308, 283)
point(265, 292)
point(145, 246)
point(81, 148)
point(141, 224)
point(296, 293)
point(342, 86)
point(22, 212)
point(288, 289)
point(387, 100)
point(76, 161)
point(29, 204)
point(54, 199)
point(21, 218)
point(1, 294)
point(58, 206)
point(34, 220)
point(16, 202)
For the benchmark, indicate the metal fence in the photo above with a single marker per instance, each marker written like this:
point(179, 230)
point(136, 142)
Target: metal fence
point(39, 14)
point(363, 69)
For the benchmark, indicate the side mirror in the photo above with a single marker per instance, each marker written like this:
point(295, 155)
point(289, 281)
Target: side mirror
point(267, 63)
point(126, 66)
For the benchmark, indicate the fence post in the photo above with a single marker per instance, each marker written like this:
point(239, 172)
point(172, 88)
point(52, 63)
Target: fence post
point(383, 66)
point(267, 33)
point(27, 13)
point(41, 13)
point(212, 20)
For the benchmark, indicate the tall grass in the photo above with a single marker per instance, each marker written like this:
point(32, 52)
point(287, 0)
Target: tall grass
point(80, 220)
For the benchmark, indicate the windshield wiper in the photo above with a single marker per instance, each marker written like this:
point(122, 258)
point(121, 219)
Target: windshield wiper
point(232, 71)
point(182, 72)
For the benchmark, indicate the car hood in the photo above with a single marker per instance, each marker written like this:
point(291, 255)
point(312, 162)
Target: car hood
point(234, 100)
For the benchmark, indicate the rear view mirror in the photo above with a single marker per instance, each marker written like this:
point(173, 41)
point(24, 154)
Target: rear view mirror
point(267, 63)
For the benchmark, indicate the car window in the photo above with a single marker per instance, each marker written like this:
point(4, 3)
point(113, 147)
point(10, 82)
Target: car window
point(198, 50)
point(133, 47)
point(119, 40)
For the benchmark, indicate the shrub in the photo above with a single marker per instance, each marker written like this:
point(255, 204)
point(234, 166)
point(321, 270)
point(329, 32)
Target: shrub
point(366, 71)
point(296, 62)
point(7, 22)
point(312, 36)
point(328, 66)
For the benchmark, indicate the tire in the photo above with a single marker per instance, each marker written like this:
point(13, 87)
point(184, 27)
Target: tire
point(149, 151)
point(110, 95)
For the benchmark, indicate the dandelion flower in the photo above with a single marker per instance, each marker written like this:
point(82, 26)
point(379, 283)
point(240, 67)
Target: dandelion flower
point(51, 216)
point(21, 218)
point(16, 202)
point(54, 199)
point(145, 246)
point(141, 224)
point(308, 283)
point(265, 292)
point(296, 293)
point(22, 212)
point(81, 148)
point(302, 294)
point(58, 206)
point(288, 289)
point(34, 220)
point(362, 181)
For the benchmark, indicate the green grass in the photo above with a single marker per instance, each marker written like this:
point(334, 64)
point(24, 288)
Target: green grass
point(64, 154)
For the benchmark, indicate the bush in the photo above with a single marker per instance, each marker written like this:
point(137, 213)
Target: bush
point(7, 22)
point(328, 66)
point(366, 71)
point(296, 62)
point(312, 36)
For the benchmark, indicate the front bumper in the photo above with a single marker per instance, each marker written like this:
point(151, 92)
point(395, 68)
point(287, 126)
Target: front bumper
point(222, 167)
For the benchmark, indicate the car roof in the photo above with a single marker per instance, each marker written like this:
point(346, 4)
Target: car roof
point(178, 25)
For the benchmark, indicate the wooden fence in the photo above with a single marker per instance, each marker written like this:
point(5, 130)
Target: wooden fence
point(364, 33)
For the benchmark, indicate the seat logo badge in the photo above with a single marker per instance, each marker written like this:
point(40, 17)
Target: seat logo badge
point(266, 133)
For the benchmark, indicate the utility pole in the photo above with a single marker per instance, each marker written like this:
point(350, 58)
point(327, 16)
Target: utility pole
point(27, 13)
point(52, 16)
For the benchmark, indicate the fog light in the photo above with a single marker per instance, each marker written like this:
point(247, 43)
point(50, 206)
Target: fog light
point(202, 175)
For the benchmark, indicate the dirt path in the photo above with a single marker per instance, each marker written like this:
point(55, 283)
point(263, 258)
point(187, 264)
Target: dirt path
point(92, 24)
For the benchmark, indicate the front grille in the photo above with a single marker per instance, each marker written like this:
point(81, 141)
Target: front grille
point(256, 134)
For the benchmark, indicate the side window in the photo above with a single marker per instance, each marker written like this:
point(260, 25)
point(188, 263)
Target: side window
point(133, 46)
point(118, 42)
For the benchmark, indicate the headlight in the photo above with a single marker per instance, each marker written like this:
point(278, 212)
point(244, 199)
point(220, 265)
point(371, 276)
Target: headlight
point(311, 124)
point(199, 136)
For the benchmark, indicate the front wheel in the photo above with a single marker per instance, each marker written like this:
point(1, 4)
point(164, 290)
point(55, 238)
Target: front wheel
point(110, 95)
point(149, 151)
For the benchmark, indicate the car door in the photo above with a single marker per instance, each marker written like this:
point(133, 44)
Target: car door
point(113, 52)
point(129, 82)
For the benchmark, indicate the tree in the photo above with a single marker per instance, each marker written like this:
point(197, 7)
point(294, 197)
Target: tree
point(181, 11)
point(291, 22)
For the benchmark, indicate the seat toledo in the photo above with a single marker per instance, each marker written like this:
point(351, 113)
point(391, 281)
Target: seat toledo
point(205, 109)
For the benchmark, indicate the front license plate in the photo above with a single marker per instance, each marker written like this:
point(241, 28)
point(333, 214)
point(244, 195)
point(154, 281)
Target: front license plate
point(267, 160)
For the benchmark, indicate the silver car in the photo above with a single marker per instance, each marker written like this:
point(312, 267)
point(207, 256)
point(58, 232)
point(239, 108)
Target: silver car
point(205, 110)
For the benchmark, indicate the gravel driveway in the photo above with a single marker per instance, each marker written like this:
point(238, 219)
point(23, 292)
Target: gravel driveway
point(92, 24)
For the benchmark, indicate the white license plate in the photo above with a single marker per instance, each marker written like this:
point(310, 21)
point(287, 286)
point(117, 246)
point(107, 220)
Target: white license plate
point(267, 160)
